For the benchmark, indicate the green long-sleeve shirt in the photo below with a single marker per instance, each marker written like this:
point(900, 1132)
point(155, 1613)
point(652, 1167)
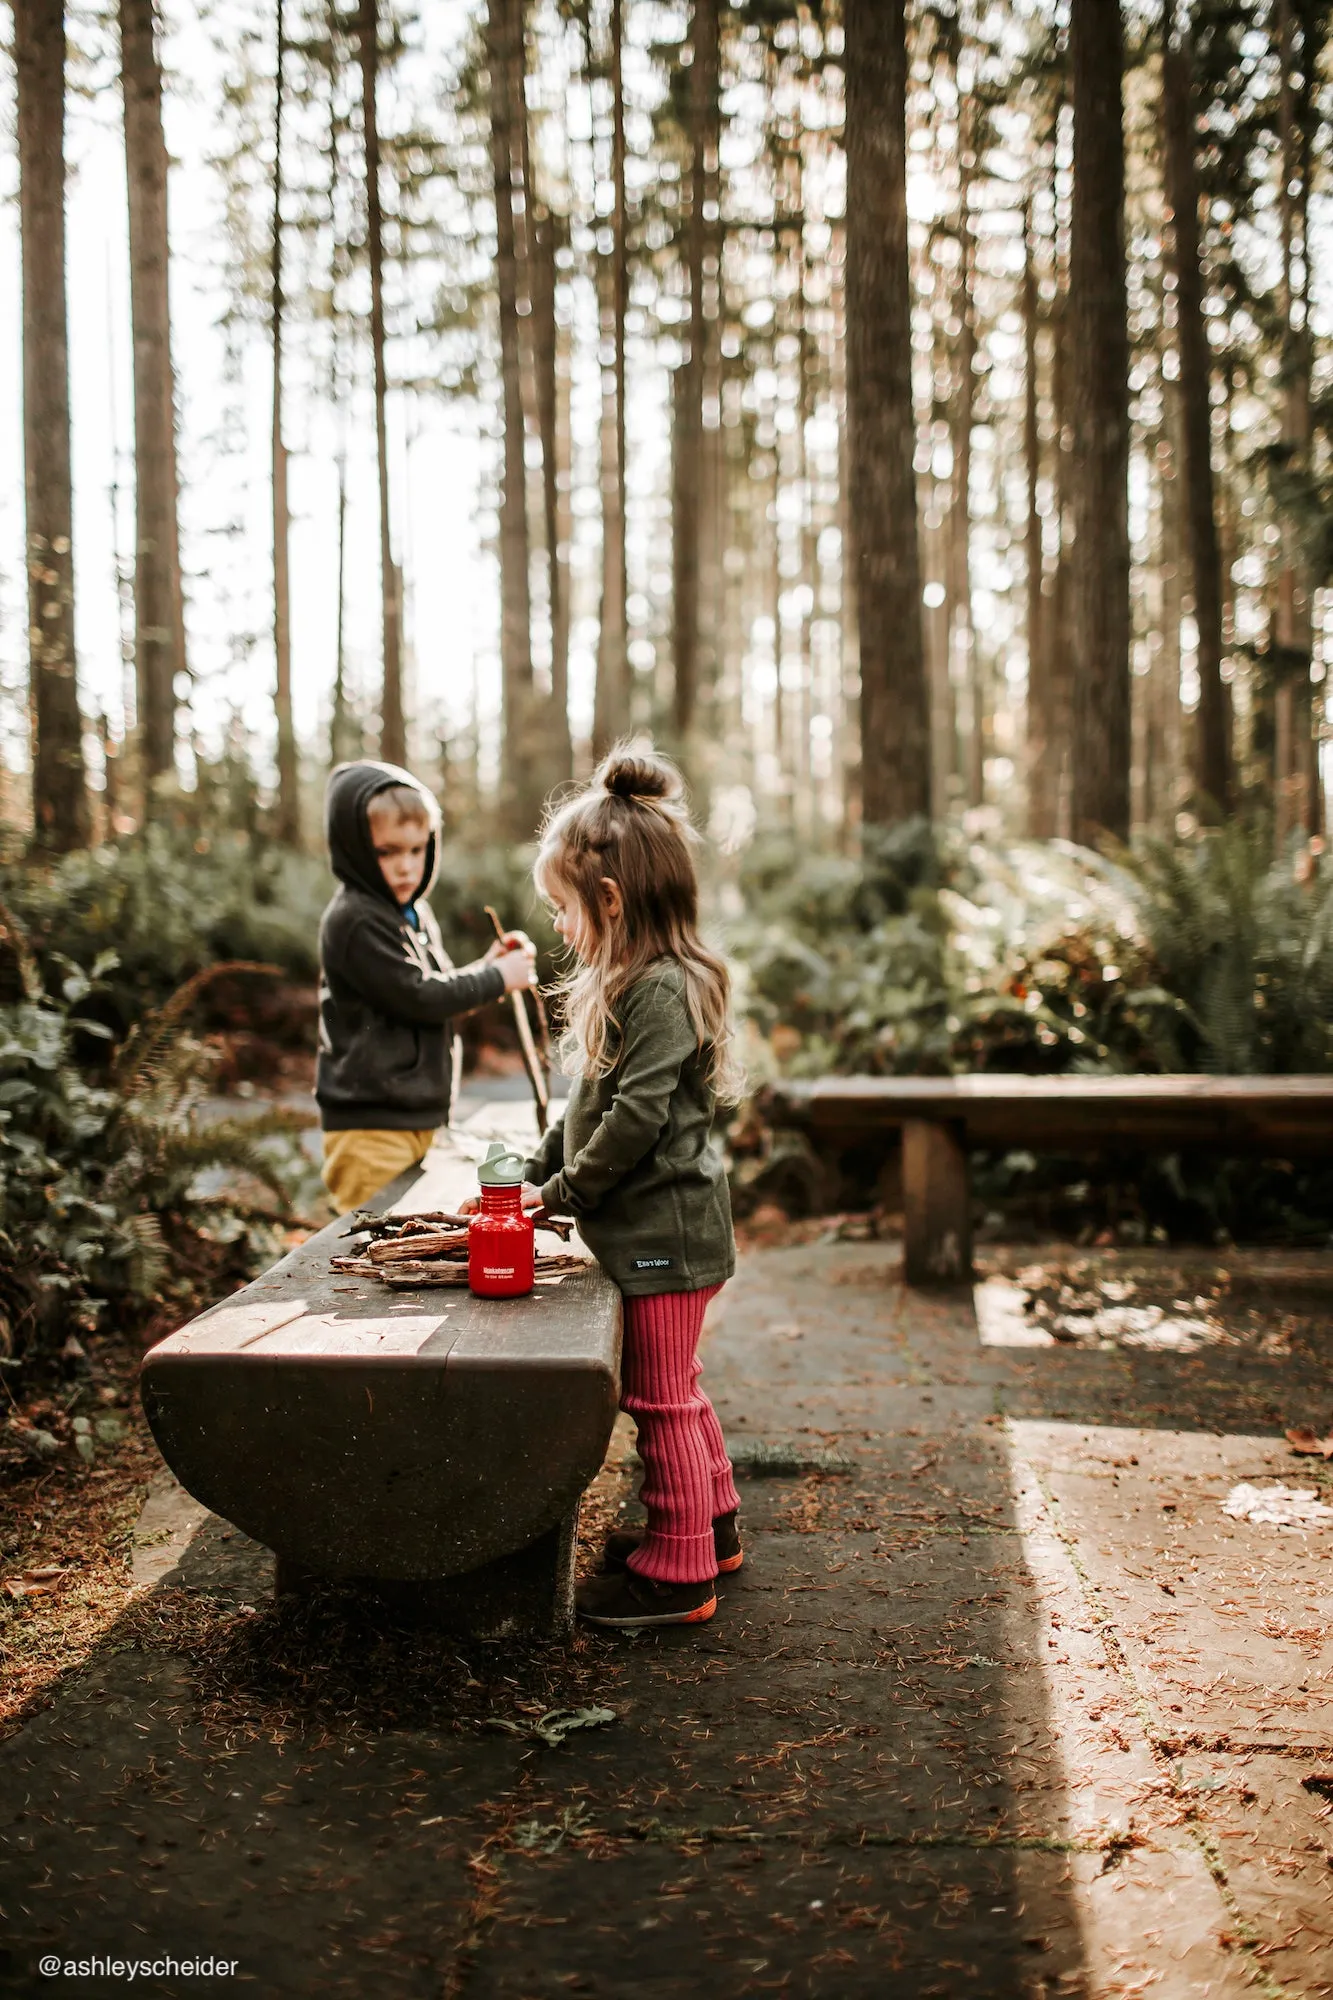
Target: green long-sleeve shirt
point(634, 1159)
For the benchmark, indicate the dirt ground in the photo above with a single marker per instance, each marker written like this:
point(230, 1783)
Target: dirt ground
point(1004, 1702)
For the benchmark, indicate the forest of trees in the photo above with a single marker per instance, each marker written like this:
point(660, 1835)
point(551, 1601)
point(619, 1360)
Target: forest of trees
point(915, 414)
point(898, 409)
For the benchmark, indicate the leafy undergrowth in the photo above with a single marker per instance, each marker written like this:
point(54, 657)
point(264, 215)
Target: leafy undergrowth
point(932, 953)
point(168, 903)
point(123, 1200)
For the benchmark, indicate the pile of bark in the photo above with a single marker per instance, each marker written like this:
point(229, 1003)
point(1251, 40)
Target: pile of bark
point(409, 1251)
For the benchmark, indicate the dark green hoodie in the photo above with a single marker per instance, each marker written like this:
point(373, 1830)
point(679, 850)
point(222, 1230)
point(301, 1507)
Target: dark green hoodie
point(388, 991)
point(634, 1158)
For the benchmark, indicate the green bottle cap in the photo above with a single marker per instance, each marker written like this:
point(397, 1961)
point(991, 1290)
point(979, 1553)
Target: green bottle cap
point(501, 1168)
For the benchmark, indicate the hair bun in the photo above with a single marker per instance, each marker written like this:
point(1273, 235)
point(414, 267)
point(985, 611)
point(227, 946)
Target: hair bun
point(628, 773)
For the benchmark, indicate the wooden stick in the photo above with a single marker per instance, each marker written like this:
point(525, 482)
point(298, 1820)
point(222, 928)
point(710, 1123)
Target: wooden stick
point(537, 1074)
point(417, 1249)
point(447, 1273)
point(365, 1223)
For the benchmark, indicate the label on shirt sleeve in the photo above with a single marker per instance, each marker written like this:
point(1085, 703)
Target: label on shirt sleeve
point(652, 1263)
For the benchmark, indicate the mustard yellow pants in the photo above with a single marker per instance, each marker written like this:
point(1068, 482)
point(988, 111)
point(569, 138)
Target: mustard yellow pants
point(358, 1164)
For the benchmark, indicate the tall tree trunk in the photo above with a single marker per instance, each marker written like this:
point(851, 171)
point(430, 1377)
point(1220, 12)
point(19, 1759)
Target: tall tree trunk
point(343, 731)
point(504, 58)
point(1295, 793)
point(159, 614)
point(393, 729)
point(558, 763)
point(1211, 749)
point(937, 616)
point(1062, 596)
point(61, 815)
point(687, 520)
point(612, 706)
point(1042, 720)
point(962, 635)
point(895, 736)
point(1101, 745)
point(1166, 788)
point(552, 752)
point(288, 820)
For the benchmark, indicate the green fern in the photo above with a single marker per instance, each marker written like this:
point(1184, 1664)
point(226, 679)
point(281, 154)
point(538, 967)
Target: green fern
point(102, 1190)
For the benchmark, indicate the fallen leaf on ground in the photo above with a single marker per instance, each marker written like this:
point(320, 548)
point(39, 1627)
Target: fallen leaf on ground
point(1304, 1440)
point(1277, 1506)
point(559, 1723)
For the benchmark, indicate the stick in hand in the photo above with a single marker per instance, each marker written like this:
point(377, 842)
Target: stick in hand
point(532, 1063)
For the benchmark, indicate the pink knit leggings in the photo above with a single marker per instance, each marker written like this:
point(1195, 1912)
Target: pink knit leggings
point(687, 1478)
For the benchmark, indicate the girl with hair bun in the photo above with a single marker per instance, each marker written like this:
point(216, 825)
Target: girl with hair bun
point(649, 1046)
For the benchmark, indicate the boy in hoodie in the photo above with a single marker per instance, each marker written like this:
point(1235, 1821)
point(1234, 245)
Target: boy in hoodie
point(388, 992)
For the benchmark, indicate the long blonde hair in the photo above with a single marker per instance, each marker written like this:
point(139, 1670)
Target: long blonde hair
point(631, 825)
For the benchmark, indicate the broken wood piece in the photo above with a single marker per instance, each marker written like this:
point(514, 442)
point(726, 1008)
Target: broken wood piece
point(414, 1275)
point(414, 1249)
point(360, 1267)
point(402, 1275)
point(364, 1222)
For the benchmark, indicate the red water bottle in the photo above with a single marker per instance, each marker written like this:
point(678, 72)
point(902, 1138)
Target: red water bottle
point(500, 1237)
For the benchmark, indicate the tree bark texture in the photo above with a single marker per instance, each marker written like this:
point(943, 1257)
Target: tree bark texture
point(689, 483)
point(558, 762)
point(519, 776)
point(159, 611)
point(611, 716)
point(393, 730)
point(1211, 749)
point(61, 817)
point(1100, 355)
point(1042, 721)
point(963, 638)
point(288, 825)
point(1297, 803)
point(895, 739)
point(535, 247)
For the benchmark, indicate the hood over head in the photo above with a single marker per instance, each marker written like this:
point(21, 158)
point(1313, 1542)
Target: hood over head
point(351, 851)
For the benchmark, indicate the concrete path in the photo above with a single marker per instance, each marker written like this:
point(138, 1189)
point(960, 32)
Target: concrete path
point(1003, 1702)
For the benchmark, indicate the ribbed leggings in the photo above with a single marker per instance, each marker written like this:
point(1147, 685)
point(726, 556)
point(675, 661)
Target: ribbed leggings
point(687, 1478)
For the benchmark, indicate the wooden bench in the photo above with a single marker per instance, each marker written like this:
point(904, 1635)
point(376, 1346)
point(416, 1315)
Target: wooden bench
point(942, 1119)
point(426, 1445)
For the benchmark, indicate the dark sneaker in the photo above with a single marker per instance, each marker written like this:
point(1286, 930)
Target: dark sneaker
point(621, 1545)
point(631, 1603)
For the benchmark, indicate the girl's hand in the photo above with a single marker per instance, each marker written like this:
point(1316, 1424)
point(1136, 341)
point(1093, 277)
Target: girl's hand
point(529, 1196)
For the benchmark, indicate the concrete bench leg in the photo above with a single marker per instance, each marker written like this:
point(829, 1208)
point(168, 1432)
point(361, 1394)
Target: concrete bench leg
point(937, 1213)
point(531, 1590)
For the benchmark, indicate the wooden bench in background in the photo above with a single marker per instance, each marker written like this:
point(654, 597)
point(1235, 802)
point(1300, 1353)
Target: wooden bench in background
point(942, 1119)
point(426, 1445)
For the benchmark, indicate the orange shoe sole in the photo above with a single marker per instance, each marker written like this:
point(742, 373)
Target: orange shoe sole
point(730, 1564)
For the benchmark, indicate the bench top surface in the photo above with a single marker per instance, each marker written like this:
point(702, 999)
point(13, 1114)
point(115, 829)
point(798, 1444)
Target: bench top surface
point(303, 1311)
point(922, 1093)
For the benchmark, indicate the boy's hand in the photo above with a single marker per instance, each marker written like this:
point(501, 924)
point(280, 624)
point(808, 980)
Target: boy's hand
point(518, 969)
point(511, 941)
